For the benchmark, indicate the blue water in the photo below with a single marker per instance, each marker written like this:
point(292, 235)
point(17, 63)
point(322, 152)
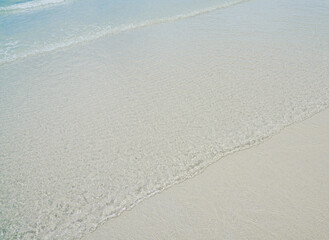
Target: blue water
point(37, 26)
point(9, 3)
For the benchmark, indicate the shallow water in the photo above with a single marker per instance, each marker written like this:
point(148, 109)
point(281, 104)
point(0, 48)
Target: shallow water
point(36, 26)
point(89, 130)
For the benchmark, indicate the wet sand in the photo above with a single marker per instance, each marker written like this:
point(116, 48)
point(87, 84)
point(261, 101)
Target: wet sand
point(276, 190)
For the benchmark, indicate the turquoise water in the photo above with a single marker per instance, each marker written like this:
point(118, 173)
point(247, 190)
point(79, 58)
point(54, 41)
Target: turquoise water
point(98, 114)
point(8, 3)
point(37, 26)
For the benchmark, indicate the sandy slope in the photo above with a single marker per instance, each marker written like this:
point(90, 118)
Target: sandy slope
point(277, 190)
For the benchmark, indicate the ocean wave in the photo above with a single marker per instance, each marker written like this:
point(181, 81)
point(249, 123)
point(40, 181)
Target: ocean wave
point(111, 31)
point(31, 5)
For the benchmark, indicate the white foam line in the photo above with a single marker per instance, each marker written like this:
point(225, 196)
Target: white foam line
point(31, 5)
point(115, 30)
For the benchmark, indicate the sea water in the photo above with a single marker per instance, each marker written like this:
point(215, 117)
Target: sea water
point(36, 26)
point(93, 122)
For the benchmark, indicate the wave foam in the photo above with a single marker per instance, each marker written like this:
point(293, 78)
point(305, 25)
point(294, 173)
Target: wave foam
point(31, 5)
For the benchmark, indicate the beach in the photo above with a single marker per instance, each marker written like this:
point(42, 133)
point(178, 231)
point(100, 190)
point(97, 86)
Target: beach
point(277, 190)
point(161, 121)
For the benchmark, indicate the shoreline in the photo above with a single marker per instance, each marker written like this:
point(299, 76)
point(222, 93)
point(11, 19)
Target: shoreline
point(253, 201)
point(90, 130)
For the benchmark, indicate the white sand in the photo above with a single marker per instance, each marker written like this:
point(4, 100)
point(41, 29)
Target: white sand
point(276, 190)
